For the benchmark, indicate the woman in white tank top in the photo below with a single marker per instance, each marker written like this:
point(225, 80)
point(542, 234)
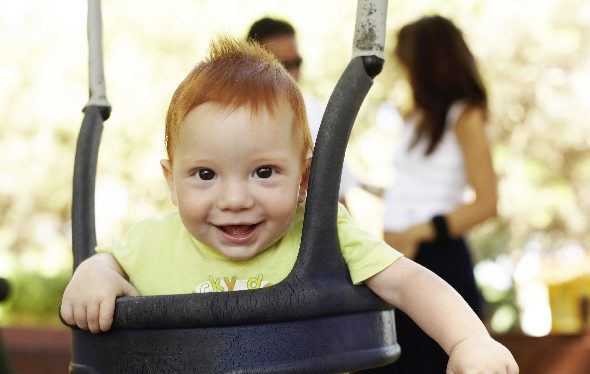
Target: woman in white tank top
point(442, 151)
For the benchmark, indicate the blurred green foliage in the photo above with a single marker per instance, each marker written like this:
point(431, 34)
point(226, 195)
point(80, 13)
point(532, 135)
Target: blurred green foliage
point(34, 299)
point(534, 56)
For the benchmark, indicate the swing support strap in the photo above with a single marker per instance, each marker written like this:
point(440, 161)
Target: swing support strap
point(96, 111)
point(98, 96)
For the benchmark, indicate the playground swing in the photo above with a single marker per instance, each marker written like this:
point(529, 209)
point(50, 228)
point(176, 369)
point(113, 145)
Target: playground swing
point(315, 321)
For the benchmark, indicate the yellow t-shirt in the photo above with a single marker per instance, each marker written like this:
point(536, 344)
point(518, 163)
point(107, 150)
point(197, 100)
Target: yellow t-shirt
point(161, 257)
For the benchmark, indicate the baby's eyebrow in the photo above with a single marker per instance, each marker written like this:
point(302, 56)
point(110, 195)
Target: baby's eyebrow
point(272, 158)
point(191, 161)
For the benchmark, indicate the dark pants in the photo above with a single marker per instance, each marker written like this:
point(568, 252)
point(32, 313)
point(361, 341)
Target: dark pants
point(420, 354)
point(5, 366)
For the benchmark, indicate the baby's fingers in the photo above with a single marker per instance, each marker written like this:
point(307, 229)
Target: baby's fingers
point(92, 317)
point(513, 367)
point(67, 313)
point(107, 311)
point(80, 316)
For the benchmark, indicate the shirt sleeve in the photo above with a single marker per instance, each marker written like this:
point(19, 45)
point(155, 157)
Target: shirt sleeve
point(118, 249)
point(141, 251)
point(124, 257)
point(364, 253)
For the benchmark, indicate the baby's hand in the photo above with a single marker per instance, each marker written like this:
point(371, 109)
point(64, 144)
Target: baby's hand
point(481, 355)
point(89, 298)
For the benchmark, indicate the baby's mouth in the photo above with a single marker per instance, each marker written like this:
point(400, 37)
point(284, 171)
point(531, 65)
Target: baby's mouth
point(237, 230)
point(238, 233)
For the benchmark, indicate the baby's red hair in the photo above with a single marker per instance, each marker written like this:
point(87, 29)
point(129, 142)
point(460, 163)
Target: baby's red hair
point(236, 74)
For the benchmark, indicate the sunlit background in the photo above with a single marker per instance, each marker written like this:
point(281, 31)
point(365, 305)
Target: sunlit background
point(532, 260)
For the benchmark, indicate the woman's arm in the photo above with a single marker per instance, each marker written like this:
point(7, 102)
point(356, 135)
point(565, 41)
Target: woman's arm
point(480, 173)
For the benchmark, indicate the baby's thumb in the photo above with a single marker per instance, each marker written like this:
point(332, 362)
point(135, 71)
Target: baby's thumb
point(129, 290)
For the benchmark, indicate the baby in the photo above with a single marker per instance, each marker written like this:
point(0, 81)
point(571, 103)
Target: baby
point(239, 150)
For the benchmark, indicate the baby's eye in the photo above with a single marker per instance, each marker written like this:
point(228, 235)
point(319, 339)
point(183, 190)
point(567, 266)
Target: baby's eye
point(205, 174)
point(264, 172)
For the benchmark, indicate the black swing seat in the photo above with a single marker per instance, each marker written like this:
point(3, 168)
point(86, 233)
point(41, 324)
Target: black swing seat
point(314, 321)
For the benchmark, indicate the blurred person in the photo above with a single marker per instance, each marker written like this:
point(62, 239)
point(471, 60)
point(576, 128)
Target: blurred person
point(442, 151)
point(279, 38)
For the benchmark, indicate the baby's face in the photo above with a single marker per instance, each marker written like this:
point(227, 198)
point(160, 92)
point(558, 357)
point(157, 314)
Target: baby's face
point(236, 177)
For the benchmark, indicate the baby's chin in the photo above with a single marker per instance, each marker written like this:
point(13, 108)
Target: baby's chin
point(241, 253)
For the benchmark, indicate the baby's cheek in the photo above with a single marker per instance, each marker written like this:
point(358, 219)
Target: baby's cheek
point(192, 216)
point(285, 216)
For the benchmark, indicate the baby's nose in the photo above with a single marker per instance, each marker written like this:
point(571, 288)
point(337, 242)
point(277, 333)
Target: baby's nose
point(235, 195)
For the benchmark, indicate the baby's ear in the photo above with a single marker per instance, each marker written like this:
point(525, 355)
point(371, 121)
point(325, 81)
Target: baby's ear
point(169, 176)
point(303, 184)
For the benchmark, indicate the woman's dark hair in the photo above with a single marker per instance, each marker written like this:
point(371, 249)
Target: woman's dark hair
point(441, 70)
